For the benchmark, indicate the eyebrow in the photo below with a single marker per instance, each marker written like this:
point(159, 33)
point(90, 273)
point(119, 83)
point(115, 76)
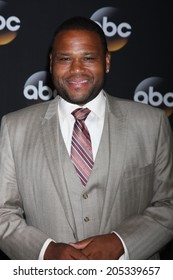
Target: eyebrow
point(69, 53)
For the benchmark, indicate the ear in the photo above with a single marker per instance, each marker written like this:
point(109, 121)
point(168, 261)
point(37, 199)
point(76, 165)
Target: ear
point(50, 65)
point(108, 61)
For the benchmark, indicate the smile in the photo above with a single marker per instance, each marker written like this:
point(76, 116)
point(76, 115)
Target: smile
point(78, 82)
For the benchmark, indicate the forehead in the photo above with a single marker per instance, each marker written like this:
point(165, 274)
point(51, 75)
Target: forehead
point(76, 40)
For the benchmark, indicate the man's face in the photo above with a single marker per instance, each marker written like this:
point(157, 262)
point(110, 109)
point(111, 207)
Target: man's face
point(78, 65)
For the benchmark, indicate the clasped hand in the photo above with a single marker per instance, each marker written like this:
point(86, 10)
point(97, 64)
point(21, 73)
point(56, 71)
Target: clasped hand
point(100, 247)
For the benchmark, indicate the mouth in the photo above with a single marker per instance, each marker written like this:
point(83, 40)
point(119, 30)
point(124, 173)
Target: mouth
point(78, 82)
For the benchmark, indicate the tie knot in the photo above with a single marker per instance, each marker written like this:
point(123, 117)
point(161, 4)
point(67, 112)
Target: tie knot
point(81, 113)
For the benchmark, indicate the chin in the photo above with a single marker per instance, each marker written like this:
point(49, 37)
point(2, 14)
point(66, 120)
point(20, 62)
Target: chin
point(78, 101)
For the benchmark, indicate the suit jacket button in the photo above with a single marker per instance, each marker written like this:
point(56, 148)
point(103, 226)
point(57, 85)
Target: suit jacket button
point(86, 219)
point(85, 195)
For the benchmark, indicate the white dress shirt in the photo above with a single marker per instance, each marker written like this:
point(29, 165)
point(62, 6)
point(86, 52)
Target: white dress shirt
point(94, 123)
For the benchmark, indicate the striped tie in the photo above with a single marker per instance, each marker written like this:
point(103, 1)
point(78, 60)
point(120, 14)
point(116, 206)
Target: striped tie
point(81, 150)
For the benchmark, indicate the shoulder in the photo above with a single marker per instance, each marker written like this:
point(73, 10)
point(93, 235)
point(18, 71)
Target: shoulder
point(36, 108)
point(138, 115)
point(133, 108)
point(27, 114)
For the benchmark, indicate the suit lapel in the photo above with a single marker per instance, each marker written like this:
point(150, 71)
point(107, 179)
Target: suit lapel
point(117, 130)
point(51, 137)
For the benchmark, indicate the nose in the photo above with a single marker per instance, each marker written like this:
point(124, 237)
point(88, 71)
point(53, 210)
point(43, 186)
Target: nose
point(76, 66)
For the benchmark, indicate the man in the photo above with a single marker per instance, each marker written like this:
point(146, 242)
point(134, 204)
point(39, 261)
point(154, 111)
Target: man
point(122, 206)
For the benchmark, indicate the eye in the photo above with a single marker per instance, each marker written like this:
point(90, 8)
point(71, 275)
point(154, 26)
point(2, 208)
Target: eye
point(89, 58)
point(64, 59)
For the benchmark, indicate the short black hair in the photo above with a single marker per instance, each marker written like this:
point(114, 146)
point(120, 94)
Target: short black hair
point(82, 23)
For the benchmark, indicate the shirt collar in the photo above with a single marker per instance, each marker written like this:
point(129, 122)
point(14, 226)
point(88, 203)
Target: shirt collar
point(97, 106)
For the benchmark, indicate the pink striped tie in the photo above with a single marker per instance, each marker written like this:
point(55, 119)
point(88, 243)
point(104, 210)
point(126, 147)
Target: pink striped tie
point(81, 150)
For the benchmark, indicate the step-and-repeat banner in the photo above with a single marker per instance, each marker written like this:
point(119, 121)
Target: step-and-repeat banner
point(139, 35)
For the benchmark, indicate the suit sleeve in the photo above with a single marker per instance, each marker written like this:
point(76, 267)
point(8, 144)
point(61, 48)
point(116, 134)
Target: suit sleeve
point(17, 239)
point(146, 233)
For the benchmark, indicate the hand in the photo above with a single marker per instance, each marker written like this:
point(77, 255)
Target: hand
point(101, 247)
point(62, 251)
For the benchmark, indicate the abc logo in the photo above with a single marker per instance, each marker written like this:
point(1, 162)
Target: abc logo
point(9, 25)
point(148, 92)
point(35, 87)
point(110, 29)
point(117, 33)
point(12, 23)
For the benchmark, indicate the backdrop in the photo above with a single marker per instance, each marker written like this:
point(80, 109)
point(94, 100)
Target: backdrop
point(139, 35)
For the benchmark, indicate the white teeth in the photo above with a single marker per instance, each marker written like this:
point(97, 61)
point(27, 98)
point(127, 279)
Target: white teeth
point(81, 82)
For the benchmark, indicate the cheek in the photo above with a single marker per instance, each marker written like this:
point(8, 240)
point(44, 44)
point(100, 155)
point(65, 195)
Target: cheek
point(57, 73)
point(99, 74)
point(99, 70)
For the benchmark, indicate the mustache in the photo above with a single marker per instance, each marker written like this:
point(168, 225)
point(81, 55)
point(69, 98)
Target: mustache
point(78, 76)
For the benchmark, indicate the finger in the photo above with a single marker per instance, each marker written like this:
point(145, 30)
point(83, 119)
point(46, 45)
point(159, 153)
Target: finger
point(81, 244)
point(78, 255)
point(88, 251)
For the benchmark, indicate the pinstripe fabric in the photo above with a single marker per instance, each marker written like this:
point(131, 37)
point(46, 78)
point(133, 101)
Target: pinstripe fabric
point(132, 195)
point(81, 150)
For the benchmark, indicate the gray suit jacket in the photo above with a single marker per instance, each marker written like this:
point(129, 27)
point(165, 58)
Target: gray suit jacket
point(130, 189)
